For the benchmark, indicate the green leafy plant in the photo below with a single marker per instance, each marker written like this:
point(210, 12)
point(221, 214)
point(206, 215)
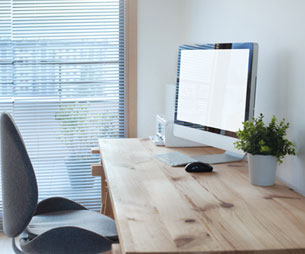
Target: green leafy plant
point(257, 138)
point(81, 125)
point(73, 122)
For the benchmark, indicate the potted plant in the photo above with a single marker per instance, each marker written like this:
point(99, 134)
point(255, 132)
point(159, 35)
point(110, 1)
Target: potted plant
point(80, 127)
point(73, 118)
point(265, 146)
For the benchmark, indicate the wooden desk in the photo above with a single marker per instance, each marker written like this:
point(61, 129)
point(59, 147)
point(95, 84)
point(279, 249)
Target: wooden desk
point(160, 209)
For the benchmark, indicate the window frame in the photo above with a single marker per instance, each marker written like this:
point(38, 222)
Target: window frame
point(131, 67)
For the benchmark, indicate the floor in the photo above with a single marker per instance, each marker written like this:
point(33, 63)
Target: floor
point(5, 244)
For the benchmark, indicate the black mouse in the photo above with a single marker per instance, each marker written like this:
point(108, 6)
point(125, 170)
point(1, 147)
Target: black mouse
point(196, 167)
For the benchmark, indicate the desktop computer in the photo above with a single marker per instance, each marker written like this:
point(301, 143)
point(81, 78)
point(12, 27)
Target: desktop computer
point(215, 93)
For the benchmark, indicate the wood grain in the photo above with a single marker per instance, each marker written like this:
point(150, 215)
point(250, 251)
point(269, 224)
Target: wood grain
point(159, 208)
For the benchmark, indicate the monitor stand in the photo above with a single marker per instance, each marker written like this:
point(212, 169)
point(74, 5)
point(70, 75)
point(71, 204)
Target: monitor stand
point(220, 158)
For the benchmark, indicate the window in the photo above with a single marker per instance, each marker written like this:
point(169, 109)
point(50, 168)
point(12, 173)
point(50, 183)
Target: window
point(63, 78)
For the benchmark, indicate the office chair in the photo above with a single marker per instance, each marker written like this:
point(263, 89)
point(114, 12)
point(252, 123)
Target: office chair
point(54, 225)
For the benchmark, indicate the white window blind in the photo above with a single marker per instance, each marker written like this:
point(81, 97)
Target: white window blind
point(62, 73)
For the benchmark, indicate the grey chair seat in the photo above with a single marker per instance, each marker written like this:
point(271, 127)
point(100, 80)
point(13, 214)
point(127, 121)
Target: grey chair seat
point(84, 219)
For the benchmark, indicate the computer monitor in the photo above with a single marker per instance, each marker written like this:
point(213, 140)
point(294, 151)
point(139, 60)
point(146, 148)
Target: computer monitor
point(215, 93)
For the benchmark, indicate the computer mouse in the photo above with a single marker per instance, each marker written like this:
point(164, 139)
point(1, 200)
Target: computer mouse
point(197, 167)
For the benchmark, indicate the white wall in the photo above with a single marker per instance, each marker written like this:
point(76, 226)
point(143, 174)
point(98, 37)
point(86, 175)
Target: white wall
point(160, 32)
point(278, 27)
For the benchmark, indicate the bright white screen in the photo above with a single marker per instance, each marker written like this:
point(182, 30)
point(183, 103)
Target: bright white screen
point(213, 87)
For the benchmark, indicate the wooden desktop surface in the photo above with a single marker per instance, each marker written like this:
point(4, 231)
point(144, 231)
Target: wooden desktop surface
point(163, 209)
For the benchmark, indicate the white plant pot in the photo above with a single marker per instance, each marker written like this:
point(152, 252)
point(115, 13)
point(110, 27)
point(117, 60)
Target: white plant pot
point(262, 169)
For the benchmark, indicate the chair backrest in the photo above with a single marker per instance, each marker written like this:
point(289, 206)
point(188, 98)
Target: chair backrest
point(19, 186)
